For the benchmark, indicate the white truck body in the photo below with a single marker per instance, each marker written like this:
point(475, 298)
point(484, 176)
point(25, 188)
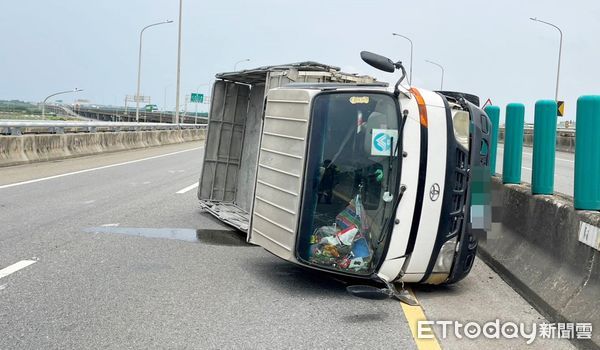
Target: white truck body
point(318, 156)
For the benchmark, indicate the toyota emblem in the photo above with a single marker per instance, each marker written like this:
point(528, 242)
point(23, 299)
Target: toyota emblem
point(434, 192)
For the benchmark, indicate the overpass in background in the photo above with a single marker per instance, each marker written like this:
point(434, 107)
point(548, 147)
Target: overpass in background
point(121, 114)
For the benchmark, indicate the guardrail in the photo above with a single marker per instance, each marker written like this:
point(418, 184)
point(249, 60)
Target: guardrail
point(559, 131)
point(19, 127)
point(544, 141)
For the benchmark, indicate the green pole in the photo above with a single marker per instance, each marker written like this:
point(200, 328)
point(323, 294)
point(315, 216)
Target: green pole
point(493, 113)
point(587, 154)
point(513, 143)
point(544, 147)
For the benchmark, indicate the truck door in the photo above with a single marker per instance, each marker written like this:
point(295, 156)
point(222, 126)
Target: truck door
point(223, 152)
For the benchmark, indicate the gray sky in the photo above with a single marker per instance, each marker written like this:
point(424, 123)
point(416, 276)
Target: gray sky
point(489, 48)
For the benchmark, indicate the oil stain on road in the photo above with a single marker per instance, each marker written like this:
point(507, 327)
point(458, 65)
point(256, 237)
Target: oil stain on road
point(206, 236)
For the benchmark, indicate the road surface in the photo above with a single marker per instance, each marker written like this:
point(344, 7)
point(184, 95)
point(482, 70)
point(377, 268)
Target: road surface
point(563, 174)
point(102, 252)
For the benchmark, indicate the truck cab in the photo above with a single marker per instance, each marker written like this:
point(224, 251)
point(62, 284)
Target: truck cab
point(360, 179)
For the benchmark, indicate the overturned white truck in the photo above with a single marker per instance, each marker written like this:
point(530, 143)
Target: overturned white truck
point(345, 174)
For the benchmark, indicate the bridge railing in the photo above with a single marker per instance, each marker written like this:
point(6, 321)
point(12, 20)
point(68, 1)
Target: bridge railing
point(20, 127)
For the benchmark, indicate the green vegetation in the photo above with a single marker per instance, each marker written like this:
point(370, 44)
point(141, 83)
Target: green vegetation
point(21, 110)
point(19, 107)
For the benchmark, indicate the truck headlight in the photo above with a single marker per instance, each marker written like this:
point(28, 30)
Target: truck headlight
point(445, 257)
point(443, 264)
point(461, 124)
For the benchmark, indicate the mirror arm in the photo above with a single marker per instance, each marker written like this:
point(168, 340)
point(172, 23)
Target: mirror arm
point(399, 65)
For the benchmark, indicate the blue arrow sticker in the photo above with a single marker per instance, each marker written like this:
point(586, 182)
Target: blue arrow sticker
point(381, 144)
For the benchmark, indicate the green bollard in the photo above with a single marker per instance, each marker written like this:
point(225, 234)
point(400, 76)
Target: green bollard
point(493, 113)
point(513, 143)
point(544, 147)
point(587, 153)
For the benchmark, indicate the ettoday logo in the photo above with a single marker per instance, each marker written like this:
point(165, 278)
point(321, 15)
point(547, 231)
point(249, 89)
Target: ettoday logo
point(497, 329)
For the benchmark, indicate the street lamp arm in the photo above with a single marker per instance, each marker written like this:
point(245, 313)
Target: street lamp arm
point(411, 55)
point(54, 94)
point(60, 93)
point(559, 52)
point(437, 64)
point(442, 68)
point(154, 24)
point(238, 62)
point(137, 91)
point(548, 23)
point(405, 37)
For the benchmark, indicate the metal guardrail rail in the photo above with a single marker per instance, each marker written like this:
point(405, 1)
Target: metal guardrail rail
point(20, 127)
point(560, 131)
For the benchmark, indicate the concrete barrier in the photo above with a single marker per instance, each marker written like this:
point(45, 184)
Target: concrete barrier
point(565, 142)
point(15, 150)
point(534, 244)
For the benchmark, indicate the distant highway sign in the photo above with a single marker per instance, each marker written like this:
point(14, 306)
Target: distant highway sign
point(197, 98)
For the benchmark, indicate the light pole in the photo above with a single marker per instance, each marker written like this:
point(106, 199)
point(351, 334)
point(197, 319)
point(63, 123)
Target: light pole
point(54, 94)
point(238, 62)
point(137, 94)
point(442, 68)
point(411, 55)
point(164, 102)
point(559, 52)
point(178, 65)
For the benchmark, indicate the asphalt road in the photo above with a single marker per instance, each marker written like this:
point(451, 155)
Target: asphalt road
point(115, 263)
point(563, 173)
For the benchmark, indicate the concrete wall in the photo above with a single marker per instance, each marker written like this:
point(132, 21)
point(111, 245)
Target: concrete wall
point(534, 244)
point(15, 150)
point(565, 142)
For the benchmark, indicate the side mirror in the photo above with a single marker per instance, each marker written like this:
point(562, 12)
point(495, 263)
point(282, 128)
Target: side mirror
point(378, 61)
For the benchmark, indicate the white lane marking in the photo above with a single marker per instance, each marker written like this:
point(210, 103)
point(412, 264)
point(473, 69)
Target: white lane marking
point(110, 225)
point(15, 267)
point(187, 189)
point(531, 154)
point(94, 169)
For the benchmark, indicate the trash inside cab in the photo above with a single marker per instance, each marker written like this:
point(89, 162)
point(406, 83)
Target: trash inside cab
point(345, 244)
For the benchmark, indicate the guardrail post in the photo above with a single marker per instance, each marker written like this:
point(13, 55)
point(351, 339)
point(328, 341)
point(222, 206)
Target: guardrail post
point(513, 143)
point(587, 153)
point(493, 113)
point(544, 147)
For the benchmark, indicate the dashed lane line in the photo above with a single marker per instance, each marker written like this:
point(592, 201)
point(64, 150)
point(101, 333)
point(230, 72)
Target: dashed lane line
point(187, 189)
point(15, 267)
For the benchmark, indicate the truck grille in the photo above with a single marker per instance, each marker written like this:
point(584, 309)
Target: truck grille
point(459, 192)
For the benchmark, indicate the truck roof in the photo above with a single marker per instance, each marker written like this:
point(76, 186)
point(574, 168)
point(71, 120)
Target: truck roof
point(335, 86)
point(259, 75)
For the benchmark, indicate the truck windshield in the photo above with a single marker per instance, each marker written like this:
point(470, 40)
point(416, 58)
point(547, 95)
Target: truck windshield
point(350, 182)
